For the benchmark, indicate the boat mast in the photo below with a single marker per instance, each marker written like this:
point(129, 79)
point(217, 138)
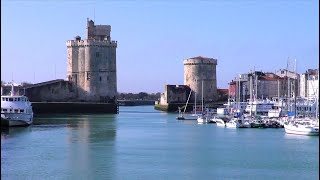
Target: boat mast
point(239, 87)
point(317, 99)
point(278, 90)
point(288, 96)
point(294, 88)
point(202, 95)
point(251, 88)
point(308, 104)
point(12, 89)
point(195, 103)
point(185, 107)
point(256, 85)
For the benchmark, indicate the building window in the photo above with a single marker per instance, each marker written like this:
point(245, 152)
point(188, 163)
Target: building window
point(97, 54)
point(100, 78)
point(88, 76)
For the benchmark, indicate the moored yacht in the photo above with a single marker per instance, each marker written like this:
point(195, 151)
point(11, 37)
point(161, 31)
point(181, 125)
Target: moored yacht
point(302, 128)
point(220, 122)
point(202, 119)
point(16, 110)
point(238, 123)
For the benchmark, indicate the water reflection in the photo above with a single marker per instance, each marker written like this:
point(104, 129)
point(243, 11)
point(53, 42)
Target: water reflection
point(296, 136)
point(79, 146)
point(14, 131)
point(91, 145)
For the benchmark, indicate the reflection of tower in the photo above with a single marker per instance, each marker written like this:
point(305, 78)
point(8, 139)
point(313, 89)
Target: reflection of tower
point(198, 70)
point(90, 139)
point(92, 64)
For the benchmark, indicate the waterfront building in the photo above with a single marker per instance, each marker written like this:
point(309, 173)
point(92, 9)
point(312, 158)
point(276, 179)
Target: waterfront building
point(309, 84)
point(263, 85)
point(292, 82)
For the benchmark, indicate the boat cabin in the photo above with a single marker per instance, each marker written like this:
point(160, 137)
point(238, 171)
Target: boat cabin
point(15, 104)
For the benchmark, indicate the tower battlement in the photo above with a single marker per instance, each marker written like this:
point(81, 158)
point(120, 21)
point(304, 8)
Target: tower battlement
point(98, 32)
point(200, 60)
point(91, 42)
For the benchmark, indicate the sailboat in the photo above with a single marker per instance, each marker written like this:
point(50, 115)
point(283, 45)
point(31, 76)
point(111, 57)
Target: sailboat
point(181, 115)
point(301, 126)
point(202, 118)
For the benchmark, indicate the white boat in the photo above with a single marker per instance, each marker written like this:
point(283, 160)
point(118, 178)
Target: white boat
point(220, 122)
point(260, 106)
point(16, 110)
point(202, 119)
point(304, 126)
point(238, 123)
point(188, 116)
point(245, 123)
point(301, 128)
point(232, 124)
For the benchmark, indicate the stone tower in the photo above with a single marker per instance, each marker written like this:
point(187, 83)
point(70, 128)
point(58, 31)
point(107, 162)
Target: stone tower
point(92, 64)
point(198, 70)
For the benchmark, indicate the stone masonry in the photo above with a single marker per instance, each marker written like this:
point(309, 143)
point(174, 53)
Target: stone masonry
point(92, 64)
point(201, 69)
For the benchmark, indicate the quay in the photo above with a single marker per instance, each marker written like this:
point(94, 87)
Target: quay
point(173, 107)
point(135, 102)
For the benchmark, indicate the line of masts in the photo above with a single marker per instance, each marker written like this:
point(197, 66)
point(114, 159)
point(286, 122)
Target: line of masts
point(291, 86)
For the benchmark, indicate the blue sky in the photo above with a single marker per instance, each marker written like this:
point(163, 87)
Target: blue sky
point(154, 38)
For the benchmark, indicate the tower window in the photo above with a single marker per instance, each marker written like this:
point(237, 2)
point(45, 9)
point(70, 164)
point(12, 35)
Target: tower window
point(97, 54)
point(100, 78)
point(88, 76)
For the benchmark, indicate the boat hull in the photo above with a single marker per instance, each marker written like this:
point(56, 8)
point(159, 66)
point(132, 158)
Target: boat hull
point(257, 125)
point(231, 125)
point(202, 119)
point(16, 119)
point(220, 123)
point(311, 131)
point(190, 117)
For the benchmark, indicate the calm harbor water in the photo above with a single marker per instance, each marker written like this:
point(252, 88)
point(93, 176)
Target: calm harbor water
point(142, 143)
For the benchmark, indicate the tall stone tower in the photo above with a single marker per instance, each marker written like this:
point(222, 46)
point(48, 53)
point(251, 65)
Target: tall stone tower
point(92, 64)
point(200, 69)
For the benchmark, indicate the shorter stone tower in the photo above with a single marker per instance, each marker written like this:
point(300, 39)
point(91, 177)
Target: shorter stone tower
point(201, 69)
point(92, 64)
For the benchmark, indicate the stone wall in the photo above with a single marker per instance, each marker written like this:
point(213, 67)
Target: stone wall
point(51, 91)
point(198, 71)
